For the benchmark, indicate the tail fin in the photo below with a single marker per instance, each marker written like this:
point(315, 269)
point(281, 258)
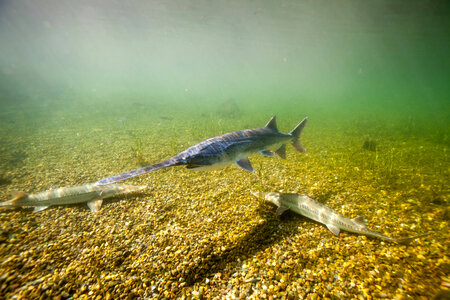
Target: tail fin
point(407, 240)
point(296, 135)
point(16, 197)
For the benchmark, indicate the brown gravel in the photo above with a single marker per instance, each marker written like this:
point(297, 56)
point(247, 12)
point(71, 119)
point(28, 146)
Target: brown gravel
point(203, 235)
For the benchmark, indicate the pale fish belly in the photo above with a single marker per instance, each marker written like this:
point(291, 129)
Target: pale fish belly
point(225, 161)
point(215, 166)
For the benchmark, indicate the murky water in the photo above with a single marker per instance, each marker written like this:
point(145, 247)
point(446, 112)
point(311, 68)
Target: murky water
point(93, 89)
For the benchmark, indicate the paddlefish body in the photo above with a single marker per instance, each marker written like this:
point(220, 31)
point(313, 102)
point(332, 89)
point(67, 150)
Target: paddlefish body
point(226, 149)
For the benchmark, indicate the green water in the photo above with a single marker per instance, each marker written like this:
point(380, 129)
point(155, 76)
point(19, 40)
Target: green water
point(349, 56)
point(89, 90)
point(382, 62)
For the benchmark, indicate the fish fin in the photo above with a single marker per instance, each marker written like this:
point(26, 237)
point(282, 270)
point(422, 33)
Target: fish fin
point(360, 220)
point(39, 208)
point(407, 240)
point(296, 135)
point(281, 152)
point(266, 153)
point(255, 193)
point(95, 205)
point(335, 230)
point(17, 195)
point(281, 210)
point(272, 124)
point(299, 147)
point(245, 164)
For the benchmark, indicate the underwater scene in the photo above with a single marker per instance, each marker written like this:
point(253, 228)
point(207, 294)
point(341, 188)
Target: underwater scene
point(127, 170)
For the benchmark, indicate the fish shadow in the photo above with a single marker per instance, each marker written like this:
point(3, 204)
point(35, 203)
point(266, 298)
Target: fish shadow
point(4, 180)
point(261, 236)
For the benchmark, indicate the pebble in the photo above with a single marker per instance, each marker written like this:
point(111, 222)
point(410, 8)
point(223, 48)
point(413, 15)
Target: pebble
point(202, 234)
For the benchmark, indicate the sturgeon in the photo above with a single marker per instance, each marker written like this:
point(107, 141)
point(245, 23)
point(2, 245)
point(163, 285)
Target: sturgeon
point(223, 150)
point(91, 193)
point(334, 221)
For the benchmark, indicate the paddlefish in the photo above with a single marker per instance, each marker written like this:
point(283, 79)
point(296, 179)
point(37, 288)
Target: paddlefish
point(223, 150)
point(91, 193)
point(334, 221)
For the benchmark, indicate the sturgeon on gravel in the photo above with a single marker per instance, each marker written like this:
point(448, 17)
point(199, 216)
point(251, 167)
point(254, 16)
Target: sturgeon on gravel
point(334, 221)
point(91, 193)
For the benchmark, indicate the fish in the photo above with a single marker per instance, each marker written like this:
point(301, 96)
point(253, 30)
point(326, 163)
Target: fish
point(333, 220)
point(226, 149)
point(91, 193)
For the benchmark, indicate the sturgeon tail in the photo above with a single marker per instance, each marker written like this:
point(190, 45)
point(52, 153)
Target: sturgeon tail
point(407, 240)
point(7, 203)
point(296, 132)
point(401, 241)
point(119, 177)
point(16, 197)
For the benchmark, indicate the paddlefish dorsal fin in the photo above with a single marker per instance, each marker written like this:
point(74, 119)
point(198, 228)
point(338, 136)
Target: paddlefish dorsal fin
point(272, 124)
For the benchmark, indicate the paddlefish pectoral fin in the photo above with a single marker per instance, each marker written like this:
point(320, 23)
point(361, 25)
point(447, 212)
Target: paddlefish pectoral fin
point(296, 132)
point(245, 164)
point(335, 230)
point(281, 210)
point(94, 205)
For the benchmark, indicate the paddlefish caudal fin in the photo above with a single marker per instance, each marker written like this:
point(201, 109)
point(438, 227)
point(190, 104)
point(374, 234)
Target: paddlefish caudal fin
point(296, 132)
point(119, 177)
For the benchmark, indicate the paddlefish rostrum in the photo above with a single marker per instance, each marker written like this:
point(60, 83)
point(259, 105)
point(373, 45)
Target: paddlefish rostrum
point(223, 150)
point(318, 212)
point(91, 193)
